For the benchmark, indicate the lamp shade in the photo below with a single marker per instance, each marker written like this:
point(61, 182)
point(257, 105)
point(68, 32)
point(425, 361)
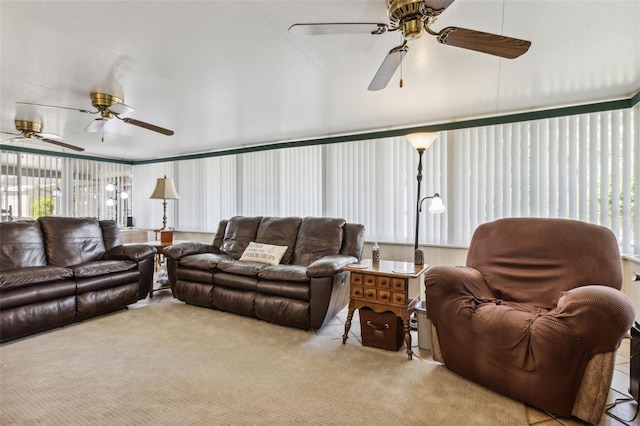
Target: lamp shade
point(422, 140)
point(437, 206)
point(165, 190)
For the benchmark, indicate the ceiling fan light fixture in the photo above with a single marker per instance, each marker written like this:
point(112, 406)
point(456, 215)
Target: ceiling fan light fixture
point(103, 101)
point(96, 125)
point(28, 127)
point(412, 29)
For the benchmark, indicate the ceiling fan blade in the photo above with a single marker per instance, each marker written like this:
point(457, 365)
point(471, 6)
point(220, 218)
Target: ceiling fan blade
point(60, 107)
point(11, 139)
point(338, 28)
point(61, 144)
point(493, 44)
point(147, 126)
point(49, 135)
point(388, 68)
point(120, 109)
point(96, 125)
point(435, 7)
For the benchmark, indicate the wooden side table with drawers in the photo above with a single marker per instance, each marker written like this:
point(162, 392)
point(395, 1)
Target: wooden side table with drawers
point(385, 286)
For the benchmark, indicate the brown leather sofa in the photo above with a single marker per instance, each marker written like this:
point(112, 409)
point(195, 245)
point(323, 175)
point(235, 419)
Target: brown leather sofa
point(58, 270)
point(536, 314)
point(305, 289)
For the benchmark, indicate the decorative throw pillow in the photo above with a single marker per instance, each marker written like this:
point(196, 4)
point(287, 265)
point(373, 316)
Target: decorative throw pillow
point(263, 253)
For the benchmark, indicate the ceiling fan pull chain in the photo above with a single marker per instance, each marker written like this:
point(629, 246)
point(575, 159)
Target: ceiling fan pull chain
point(401, 57)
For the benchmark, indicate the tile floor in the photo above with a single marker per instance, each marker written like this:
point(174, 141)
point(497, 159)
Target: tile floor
point(619, 386)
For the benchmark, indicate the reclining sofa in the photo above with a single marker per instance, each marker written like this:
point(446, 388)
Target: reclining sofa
point(58, 270)
point(303, 289)
point(536, 314)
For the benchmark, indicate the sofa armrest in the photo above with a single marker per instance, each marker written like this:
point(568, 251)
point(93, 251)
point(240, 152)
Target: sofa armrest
point(329, 265)
point(448, 281)
point(598, 314)
point(176, 251)
point(135, 252)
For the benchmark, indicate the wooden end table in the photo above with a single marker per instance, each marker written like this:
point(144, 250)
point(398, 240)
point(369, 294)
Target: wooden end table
point(159, 261)
point(385, 286)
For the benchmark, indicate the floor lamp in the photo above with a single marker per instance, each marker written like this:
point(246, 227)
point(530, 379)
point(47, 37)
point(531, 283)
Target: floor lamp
point(421, 142)
point(164, 190)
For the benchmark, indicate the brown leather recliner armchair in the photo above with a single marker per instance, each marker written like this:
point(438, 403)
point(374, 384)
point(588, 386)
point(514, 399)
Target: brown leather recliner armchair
point(535, 315)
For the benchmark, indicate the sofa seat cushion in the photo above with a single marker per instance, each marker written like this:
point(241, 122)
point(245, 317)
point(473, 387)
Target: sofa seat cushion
point(239, 267)
point(290, 290)
point(100, 283)
point(284, 273)
point(203, 261)
point(33, 275)
point(102, 267)
point(37, 293)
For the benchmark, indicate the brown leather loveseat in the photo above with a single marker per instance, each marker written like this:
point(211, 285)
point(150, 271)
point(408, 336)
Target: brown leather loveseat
point(57, 270)
point(303, 289)
point(536, 314)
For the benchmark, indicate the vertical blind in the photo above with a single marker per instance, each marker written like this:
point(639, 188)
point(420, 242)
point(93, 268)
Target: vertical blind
point(583, 167)
point(28, 184)
point(579, 167)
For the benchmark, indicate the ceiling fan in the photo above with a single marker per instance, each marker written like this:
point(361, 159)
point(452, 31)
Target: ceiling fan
point(413, 18)
point(109, 106)
point(32, 129)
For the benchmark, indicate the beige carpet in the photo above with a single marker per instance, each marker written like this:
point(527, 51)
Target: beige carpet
point(171, 363)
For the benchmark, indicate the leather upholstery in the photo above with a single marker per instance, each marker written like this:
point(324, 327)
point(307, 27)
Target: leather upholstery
point(304, 290)
point(72, 241)
point(239, 233)
point(537, 300)
point(21, 245)
point(279, 231)
point(57, 270)
point(318, 237)
point(22, 277)
point(110, 234)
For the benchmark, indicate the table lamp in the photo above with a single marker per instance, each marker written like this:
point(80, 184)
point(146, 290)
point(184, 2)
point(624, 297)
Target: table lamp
point(164, 190)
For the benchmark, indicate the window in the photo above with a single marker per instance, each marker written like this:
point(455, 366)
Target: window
point(33, 185)
point(584, 167)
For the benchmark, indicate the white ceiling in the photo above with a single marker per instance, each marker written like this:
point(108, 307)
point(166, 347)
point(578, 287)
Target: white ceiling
point(227, 74)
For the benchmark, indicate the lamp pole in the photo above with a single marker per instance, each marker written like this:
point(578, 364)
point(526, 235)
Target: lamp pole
point(419, 254)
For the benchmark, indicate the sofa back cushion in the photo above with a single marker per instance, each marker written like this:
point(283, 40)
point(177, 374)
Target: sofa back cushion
point(533, 260)
point(240, 231)
point(110, 234)
point(317, 237)
point(218, 239)
point(71, 241)
point(21, 245)
point(352, 240)
point(279, 231)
